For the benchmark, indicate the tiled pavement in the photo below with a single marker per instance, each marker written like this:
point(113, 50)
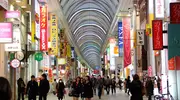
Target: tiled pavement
point(118, 96)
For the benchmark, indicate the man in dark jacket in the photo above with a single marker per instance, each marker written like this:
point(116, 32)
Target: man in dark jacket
point(149, 88)
point(32, 88)
point(99, 86)
point(93, 80)
point(43, 87)
point(136, 88)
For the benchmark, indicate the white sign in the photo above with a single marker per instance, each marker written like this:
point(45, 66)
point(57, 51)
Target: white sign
point(140, 37)
point(159, 8)
point(16, 45)
point(4, 4)
point(15, 63)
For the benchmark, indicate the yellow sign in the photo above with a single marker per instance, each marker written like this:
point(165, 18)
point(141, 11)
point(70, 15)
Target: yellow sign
point(68, 50)
point(54, 34)
point(33, 31)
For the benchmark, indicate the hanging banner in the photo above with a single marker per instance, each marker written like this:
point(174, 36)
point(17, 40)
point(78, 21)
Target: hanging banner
point(120, 38)
point(150, 71)
point(116, 50)
point(159, 8)
point(43, 28)
point(157, 34)
point(12, 14)
point(173, 40)
point(174, 13)
point(127, 44)
point(54, 34)
point(140, 37)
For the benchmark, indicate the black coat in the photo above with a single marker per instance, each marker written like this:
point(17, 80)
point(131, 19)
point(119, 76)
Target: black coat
point(32, 88)
point(88, 90)
point(21, 86)
point(76, 89)
point(44, 87)
point(136, 90)
point(60, 89)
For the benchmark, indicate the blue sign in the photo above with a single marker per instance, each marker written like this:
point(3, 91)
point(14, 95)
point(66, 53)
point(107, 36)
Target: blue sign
point(120, 38)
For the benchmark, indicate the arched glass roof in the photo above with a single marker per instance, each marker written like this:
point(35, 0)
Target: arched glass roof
point(89, 22)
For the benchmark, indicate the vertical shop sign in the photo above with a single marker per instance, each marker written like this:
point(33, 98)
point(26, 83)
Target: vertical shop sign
point(43, 28)
point(68, 50)
point(157, 35)
point(175, 13)
point(150, 71)
point(127, 45)
point(159, 8)
point(140, 37)
point(116, 50)
point(54, 35)
point(33, 28)
point(120, 38)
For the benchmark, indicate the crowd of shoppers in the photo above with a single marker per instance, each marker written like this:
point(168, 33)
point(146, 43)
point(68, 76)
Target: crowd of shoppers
point(81, 87)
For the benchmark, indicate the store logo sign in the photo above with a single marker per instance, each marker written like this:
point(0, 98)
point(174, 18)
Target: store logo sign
point(43, 28)
point(12, 14)
point(6, 32)
point(159, 8)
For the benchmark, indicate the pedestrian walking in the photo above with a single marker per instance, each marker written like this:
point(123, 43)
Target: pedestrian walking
point(128, 84)
point(32, 88)
point(88, 88)
point(149, 88)
point(100, 86)
point(21, 88)
point(136, 88)
point(76, 88)
point(108, 84)
point(60, 89)
point(82, 88)
point(54, 84)
point(113, 85)
point(94, 81)
point(43, 87)
point(120, 84)
point(5, 89)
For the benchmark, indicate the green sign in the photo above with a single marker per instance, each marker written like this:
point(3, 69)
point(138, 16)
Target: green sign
point(173, 40)
point(38, 56)
point(12, 56)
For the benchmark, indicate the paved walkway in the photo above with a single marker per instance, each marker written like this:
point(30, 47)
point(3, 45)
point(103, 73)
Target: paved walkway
point(118, 96)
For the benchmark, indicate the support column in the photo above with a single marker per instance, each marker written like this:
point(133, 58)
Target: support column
point(2, 60)
point(151, 58)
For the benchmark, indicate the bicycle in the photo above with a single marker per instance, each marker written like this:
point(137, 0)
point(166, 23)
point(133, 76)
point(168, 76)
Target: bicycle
point(162, 96)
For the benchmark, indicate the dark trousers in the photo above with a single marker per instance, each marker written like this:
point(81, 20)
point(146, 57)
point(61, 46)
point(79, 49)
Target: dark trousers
point(31, 97)
point(113, 89)
point(99, 92)
point(20, 94)
point(107, 89)
point(94, 90)
point(43, 97)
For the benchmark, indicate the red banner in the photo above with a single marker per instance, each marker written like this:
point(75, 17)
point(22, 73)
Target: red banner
point(43, 28)
point(127, 44)
point(174, 12)
point(157, 34)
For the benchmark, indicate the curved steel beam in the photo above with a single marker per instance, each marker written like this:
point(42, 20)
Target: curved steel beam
point(89, 25)
point(87, 9)
point(89, 46)
point(91, 34)
point(89, 42)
